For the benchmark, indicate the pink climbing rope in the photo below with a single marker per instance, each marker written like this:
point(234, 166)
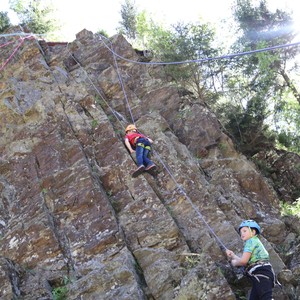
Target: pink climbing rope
point(15, 50)
point(3, 45)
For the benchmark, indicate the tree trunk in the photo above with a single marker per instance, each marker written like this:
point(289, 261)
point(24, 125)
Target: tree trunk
point(290, 85)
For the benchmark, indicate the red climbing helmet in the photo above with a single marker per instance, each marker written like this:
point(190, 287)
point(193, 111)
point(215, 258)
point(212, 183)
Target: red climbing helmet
point(130, 127)
point(251, 224)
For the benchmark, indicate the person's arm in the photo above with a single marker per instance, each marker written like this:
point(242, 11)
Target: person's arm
point(146, 137)
point(151, 141)
point(237, 261)
point(127, 143)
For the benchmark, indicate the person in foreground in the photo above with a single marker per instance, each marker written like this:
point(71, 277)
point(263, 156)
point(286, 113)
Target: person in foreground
point(255, 259)
point(142, 146)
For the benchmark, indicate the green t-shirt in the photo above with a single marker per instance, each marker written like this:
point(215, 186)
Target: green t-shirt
point(257, 250)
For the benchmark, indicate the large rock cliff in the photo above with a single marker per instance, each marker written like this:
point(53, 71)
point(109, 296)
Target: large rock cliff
point(74, 224)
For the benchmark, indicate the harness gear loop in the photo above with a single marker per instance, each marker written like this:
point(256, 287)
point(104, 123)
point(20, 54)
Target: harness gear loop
point(142, 145)
point(250, 269)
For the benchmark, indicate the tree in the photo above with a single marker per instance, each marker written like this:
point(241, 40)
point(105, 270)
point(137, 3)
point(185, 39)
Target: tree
point(289, 130)
point(129, 19)
point(102, 32)
point(185, 42)
point(143, 29)
point(36, 15)
point(258, 82)
point(179, 43)
point(4, 21)
point(262, 28)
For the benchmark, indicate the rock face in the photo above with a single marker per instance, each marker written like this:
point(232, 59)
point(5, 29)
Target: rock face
point(74, 223)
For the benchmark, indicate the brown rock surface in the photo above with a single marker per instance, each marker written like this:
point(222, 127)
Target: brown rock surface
point(73, 219)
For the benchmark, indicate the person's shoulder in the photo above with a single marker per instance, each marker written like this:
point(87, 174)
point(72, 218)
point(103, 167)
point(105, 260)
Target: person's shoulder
point(252, 240)
point(256, 240)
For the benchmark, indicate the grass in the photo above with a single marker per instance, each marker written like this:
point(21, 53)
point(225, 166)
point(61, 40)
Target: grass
point(60, 293)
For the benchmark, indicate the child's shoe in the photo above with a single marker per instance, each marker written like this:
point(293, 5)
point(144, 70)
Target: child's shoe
point(151, 170)
point(138, 171)
point(151, 167)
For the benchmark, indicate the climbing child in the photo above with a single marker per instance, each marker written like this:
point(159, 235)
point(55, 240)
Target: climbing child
point(142, 146)
point(255, 259)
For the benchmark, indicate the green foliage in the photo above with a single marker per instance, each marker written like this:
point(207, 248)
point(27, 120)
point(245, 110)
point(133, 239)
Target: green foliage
point(143, 29)
point(60, 293)
point(290, 209)
point(100, 101)
point(259, 24)
point(102, 32)
point(222, 147)
point(44, 191)
point(240, 294)
point(289, 119)
point(111, 118)
point(185, 42)
point(264, 167)
point(94, 123)
point(290, 140)
point(180, 42)
point(129, 19)
point(255, 112)
point(37, 15)
point(119, 132)
point(192, 261)
point(4, 21)
point(246, 125)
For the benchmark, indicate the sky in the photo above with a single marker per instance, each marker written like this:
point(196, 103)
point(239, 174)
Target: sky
point(94, 15)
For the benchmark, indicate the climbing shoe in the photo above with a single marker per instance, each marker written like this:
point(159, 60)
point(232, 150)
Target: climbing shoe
point(151, 169)
point(138, 171)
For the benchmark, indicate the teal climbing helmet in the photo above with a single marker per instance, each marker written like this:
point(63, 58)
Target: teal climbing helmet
point(251, 224)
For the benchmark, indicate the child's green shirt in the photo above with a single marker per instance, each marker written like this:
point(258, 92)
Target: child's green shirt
point(257, 250)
